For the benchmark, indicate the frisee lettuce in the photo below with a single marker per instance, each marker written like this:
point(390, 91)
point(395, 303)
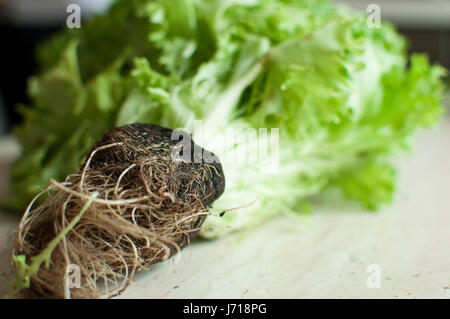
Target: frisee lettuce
point(345, 97)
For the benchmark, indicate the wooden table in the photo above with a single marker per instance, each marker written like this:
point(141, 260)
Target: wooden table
point(337, 252)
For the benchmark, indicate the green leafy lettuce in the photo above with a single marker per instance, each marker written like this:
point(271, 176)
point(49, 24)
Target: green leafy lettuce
point(345, 97)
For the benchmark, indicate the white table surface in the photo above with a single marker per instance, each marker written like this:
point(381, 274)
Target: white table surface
point(324, 255)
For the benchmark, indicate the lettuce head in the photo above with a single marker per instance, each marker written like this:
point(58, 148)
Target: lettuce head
point(344, 97)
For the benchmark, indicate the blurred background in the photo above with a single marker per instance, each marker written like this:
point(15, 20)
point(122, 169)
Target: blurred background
point(25, 23)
